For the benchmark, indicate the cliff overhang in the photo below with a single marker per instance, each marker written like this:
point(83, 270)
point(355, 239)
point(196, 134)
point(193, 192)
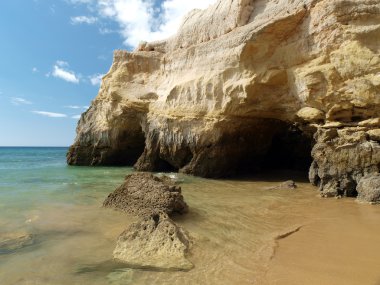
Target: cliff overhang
point(243, 85)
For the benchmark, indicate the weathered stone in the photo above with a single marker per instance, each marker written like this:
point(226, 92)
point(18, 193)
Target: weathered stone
point(311, 115)
point(369, 189)
point(154, 242)
point(216, 97)
point(371, 123)
point(143, 194)
point(374, 134)
point(341, 159)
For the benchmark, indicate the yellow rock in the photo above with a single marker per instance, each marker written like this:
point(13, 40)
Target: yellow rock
point(311, 114)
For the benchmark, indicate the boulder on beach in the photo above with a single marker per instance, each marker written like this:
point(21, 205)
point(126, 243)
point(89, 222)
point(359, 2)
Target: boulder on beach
point(369, 189)
point(154, 242)
point(142, 194)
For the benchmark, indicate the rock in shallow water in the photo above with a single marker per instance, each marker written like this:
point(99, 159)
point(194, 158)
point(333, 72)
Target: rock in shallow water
point(155, 242)
point(289, 184)
point(369, 189)
point(143, 194)
point(10, 242)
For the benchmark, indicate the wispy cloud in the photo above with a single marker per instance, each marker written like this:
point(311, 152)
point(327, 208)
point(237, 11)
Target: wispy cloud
point(83, 20)
point(77, 117)
point(60, 70)
point(50, 114)
point(96, 79)
point(34, 69)
point(76, 107)
point(81, 1)
point(141, 20)
point(20, 101)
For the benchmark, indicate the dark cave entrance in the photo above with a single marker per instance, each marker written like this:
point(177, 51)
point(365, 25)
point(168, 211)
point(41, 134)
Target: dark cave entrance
point(130, 145)
point(290, 149)
point(278, 147)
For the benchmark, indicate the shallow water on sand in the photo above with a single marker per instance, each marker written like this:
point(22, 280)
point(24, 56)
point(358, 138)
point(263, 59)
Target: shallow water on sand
point(233, 223)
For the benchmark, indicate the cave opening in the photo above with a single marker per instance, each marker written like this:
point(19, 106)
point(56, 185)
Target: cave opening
point(131, 144)
point(284, 148)
point(290, 149)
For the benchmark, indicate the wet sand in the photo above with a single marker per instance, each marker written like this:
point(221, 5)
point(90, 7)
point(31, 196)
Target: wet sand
point(339, 245)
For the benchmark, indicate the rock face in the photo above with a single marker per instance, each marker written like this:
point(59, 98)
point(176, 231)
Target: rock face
point(243, 84)
point(143, 194)
point(342, 156)
point(155, 242)
point(369, 189)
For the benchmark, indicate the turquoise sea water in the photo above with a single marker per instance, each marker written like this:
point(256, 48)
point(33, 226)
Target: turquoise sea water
point(70, 238)
point(34, 177)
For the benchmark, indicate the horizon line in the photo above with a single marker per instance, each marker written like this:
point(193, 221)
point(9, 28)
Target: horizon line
point(3, 146)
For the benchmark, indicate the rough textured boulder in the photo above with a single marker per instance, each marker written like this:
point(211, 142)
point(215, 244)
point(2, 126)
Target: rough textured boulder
point(238, 78)
point(342, 156)
point(143, 194)
point(154, 242)
point(369, 189)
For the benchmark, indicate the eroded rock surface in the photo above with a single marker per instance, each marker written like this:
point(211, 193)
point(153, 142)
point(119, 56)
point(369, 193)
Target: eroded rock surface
point(217, 97)
point(342, 156)
point(143, 194)
point(154, 242)
point(369, 189)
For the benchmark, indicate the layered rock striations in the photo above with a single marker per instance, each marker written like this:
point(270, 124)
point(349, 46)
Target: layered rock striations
point(244, 84)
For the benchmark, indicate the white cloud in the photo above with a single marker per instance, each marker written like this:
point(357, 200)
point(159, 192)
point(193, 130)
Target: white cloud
point(106, 31)
point(50, 114)
point(96, 79)
point(76, 107)
point(80, 1)
point(34, 69)
point(20, 101)
point(62, 63)
point(77, 117)
point(60, 71)
point(83, 20)
point(73, 107)
point(139, 20)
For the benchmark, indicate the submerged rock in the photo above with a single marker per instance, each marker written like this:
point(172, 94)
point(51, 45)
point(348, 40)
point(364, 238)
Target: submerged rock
point(143, 194)
point(10, 242)
point(289, 184)
point(369, 189)
point(154, 242)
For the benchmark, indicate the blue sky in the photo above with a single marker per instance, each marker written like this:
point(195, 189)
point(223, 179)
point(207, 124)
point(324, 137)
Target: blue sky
point(52, 54)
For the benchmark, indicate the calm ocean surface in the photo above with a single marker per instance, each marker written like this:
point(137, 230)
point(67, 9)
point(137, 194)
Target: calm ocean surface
point(57, 208)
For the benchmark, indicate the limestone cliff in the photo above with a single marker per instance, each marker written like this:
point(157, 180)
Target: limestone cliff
point(243, 84)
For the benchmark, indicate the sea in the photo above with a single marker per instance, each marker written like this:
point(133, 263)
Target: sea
point(53, 212)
